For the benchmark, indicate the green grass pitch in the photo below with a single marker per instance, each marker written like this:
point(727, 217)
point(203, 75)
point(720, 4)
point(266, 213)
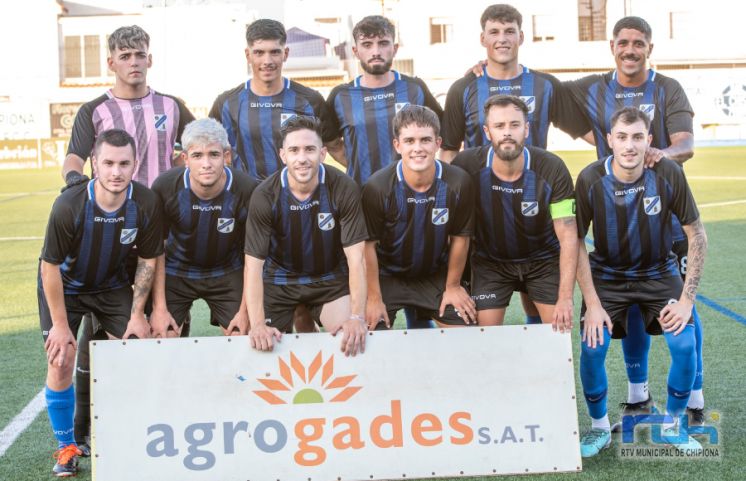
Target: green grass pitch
point(717, 175)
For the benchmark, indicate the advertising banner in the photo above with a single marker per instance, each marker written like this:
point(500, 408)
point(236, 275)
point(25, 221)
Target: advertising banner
point(417, 404)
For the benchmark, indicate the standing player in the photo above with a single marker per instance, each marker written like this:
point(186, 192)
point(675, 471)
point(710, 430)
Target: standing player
point(526, 237)
point(420, 215)
point(305, 241)
point(155, 121)
point(92, 229)
point(502, 73)
point(632, 83)
point(205, 205)
point(364, 109)
point(253, 112)
point(631, 208)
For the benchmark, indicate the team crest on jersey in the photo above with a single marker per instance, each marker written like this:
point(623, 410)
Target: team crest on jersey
point(652, 204)
point(160, 122)
point(285, 117)
point(226, 224)
point(440, 216)
point(530, 102)
point(649, 109)
point(400, 105)
point(128, 236)
point(326, 221)
point(530, 208)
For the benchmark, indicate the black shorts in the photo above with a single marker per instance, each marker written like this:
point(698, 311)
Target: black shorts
point(651, 295)
point(280, 301)
point(681, 248)
point(493, 283)
point(112, 310)
point(222, 294)
point(421, 293)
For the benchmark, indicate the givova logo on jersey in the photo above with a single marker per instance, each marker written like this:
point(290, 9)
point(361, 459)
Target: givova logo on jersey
point(649, 110)
point(325, 220)
point(530, 102)
point(440, 216)
point(530, 208)
point(652, 204)
point(226, 224)
point(128, 236)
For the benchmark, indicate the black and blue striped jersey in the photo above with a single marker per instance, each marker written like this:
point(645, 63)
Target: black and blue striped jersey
point(204, 238)
point(253, 123)
point(632, 229)
point(302, 242)
point(364, 118)
point(91, 245)
point(413, 228)
point(513, 221)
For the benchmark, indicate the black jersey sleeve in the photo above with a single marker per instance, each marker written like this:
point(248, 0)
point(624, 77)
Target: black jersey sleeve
point(83, 135)
point(559, 178)
point(329, 127)
point(682, 202)
point(259, 222)
point(566, 112)
point(679, 112)
point(185, 116)
point(470, 160)
point(460, 182)
point(61, 228)
point(334, 125)
point(583, 207)
point(454, 120)
point(150, 230)
point(346, 195)
point(164, 189)
point(374, 203)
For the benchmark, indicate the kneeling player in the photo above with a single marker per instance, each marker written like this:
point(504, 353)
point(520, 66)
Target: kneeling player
point(419, 212)
point(92, 228)
point(205, 205)
point(526, 237)
point(305, 238)
point(632, 263)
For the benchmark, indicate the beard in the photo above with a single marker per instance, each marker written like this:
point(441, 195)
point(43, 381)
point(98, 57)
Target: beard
point(377, 69)
point(508, 155)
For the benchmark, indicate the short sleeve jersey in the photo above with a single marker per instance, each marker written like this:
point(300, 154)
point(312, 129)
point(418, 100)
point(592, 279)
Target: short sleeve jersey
point(661, 97)
point(253, 123)
point(205, 238)
point(364, 118)
point(413, 228)
point(513, 219)
point(91, 245)
point(302, 242)
point(542, 93)
point(155, 121)
point(632, 221)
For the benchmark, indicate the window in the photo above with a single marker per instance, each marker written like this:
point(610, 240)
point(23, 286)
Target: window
point(84, 59)
point(441, 30)
point(591, 20)
point(543, 28)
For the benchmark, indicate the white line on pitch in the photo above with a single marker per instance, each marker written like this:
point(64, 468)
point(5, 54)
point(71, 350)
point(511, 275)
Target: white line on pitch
point(19, 423)
point(10, 239)
point(720, 204)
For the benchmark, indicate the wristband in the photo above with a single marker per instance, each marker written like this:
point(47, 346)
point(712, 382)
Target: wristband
point(357, 317)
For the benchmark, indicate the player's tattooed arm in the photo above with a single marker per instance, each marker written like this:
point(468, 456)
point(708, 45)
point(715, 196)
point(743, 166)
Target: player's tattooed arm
point(695, 233)
point(144, 274)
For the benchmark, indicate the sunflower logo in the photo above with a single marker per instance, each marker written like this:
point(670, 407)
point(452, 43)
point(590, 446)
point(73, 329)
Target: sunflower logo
point(299, 384)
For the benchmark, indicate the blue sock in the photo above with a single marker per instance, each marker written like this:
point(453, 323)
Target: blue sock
point(593, 376)
point(533, 319)
point(682, 370)
point(636, 346)
point(699, 375)
point(410, 314)
point(61, 409)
